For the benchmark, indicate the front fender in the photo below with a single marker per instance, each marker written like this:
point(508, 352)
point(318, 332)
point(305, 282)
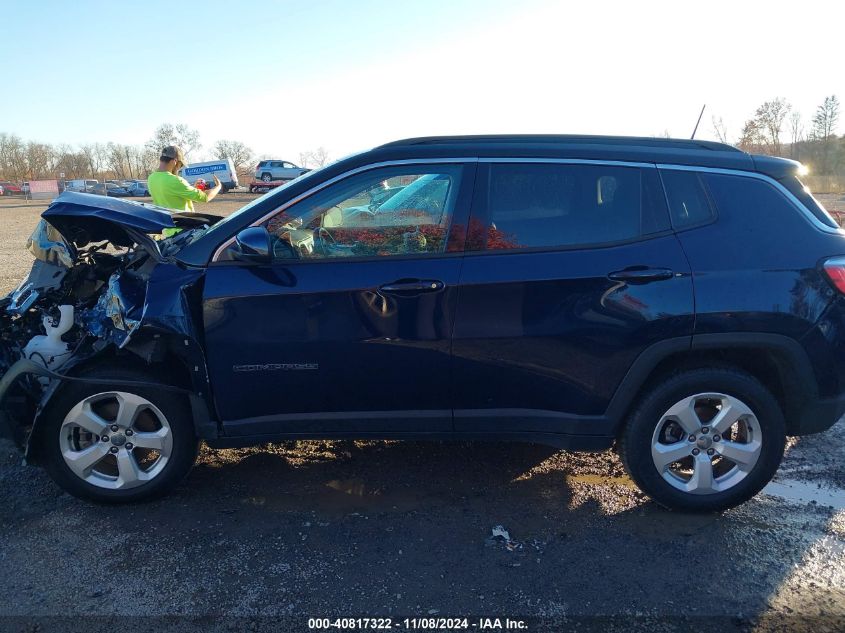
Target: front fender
point(25, 366)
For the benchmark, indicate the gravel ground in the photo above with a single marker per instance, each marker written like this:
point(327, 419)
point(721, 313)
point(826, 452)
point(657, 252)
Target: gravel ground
point(268, 537)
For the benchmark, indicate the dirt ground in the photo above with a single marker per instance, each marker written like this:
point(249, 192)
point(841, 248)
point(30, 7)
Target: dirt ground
point(268, 537)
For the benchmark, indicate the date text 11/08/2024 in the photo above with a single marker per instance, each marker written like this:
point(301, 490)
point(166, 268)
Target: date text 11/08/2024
point(429, 623)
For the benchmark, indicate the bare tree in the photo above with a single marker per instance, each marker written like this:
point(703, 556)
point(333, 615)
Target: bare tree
point(70, 162)
point(240, 154)
point(179, 134)
point(142, 161)
point(762, 133)
point(823, 135)
point(315, 158)
point(770, 117)
point(720, 129)
point(12, 164)
point(826, 118)
point(796, 133)
point(116, 160)
point(92, 157)
point(39, 160)
point(750, 138)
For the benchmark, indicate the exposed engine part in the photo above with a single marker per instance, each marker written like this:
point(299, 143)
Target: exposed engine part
point(86, 295)
point(42, 278)
point(49, 349)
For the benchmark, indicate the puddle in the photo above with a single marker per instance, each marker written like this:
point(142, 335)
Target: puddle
point(790, 490)
point(806, 492)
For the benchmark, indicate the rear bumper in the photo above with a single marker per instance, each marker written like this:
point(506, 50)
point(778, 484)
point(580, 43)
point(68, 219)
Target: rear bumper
point(818, 415)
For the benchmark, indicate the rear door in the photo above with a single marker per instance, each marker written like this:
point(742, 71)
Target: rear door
point(348, 329)
point(571, 271)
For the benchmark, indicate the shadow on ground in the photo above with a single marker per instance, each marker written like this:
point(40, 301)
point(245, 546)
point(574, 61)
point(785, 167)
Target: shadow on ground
point(392, 528)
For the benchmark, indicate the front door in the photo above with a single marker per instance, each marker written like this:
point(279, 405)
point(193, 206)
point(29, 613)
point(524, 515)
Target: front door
point(571, 271)
point(349, 328)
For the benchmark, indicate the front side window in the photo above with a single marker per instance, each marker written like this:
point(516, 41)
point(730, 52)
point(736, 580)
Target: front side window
point(549, 205)
point(391, 211)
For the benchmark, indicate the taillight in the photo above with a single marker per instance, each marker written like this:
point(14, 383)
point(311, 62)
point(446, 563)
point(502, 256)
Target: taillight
point(835, 270)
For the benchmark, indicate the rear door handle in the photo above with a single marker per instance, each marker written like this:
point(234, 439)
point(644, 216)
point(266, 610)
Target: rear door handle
point(407, 287)
point(641, 275)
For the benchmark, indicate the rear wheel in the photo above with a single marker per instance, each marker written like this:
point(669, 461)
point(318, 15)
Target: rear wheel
point(265, 177)
point(704, 440)
point(118, 444)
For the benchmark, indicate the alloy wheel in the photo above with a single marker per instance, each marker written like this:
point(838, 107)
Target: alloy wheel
point(706, 443)
point(116, 440)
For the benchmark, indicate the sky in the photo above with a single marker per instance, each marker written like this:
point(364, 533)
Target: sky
point(286, 77)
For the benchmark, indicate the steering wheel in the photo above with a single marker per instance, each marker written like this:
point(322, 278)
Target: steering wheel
point(282, 249)
point(324, 238)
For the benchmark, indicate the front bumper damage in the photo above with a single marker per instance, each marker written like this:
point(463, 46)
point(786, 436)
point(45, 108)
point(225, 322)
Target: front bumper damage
point(102, 290)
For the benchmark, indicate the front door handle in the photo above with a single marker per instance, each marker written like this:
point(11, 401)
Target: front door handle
point(406, 287)
point(641, 275)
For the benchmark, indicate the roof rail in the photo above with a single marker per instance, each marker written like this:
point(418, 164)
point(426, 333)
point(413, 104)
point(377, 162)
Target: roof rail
point(568, 139)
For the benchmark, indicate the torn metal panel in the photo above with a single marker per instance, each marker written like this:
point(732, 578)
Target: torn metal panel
point(167, 305)
point(117, 312)
point(83, 218)
point(47, 245)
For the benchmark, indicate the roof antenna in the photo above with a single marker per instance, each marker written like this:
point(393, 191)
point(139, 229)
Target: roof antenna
point(697, 122)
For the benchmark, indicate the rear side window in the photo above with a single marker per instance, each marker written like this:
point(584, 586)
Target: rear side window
point(752, 199)
point(800, 191)
point(547, 205)
point(689, 201)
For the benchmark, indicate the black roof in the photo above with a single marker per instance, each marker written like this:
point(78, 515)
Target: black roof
point(617, 148)
point(567, 139)
point(645, 149)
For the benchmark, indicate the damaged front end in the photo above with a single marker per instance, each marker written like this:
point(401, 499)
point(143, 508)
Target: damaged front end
point(100, 288)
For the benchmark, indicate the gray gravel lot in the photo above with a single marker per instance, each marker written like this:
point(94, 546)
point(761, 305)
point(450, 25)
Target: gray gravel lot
point(328, 529)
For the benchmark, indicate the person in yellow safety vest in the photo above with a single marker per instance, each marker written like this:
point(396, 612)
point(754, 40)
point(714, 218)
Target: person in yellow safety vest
point(171, 191)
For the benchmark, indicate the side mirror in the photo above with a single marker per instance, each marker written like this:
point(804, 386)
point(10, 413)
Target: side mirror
point(253, 245)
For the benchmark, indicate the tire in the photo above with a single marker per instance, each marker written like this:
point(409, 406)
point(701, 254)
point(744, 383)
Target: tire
point(662, 424)
point(112, 478)
point(265, 177)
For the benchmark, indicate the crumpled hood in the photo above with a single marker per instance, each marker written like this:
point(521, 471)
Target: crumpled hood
point(83, 217)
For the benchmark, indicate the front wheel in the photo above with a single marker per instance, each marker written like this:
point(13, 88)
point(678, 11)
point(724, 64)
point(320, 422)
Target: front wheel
point(704, 440)
point(120, 444)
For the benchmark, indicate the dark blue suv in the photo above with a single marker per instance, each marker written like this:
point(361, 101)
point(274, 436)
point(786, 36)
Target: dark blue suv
point(681, 300)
